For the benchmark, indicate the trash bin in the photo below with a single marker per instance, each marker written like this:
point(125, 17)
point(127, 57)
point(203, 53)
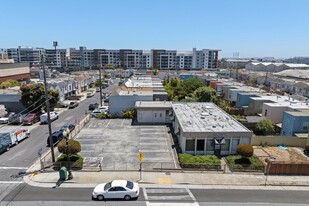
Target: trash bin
point(63, 173)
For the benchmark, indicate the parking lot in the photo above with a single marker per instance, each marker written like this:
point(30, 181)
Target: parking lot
point(116, 143)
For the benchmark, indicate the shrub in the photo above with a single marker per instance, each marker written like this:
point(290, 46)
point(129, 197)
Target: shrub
point(245, 150)
point(130, 114)
point(74, 146)
point(75, 160)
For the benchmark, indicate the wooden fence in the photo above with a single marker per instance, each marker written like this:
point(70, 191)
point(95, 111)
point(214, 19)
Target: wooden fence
point(288, 168)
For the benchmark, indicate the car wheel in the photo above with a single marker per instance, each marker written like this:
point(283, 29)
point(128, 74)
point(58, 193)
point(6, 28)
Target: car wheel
point(127, 197)
point(100, 197)
point(8, 148)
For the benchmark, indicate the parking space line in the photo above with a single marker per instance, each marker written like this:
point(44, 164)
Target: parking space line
point(108, 123)
point(122, 122)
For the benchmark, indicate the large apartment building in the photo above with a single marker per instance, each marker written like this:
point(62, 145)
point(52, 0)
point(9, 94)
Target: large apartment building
point(83, 58)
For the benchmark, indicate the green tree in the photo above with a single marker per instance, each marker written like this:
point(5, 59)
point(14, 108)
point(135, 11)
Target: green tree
point(264, 127)
point(74, 146)
point(205, 94)
point(32, 97)
point(108, 66)
point(154, 71)
point(244, 150)
point(9, 83)
point(99, 83)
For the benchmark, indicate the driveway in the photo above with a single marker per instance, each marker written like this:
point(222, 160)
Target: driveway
point(116, 143)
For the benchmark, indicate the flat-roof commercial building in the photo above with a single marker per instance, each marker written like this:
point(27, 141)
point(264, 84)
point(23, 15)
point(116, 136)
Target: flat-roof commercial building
point(203, 128)
point(14, 71)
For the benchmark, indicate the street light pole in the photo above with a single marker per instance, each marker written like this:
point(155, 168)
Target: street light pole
point(48, 110)
point(70, 176)
point(100, 79)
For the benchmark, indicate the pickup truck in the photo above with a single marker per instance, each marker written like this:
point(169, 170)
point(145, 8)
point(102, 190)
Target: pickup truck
point(30, 119)
point(73, 105)
point(44, 117)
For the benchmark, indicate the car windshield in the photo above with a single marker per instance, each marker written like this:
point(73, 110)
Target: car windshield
point(130, 185)
point(107, 186)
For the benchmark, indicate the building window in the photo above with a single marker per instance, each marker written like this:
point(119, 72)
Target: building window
point(155, 115)
point(305, 126)
point(265, 114)
point(160, 114)
point(190, 144)
point(210, 145)
point(200, 145)
point(226, 146)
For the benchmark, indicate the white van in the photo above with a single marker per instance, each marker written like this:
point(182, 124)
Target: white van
point(44, 117)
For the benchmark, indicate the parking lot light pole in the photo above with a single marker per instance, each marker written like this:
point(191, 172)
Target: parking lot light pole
point(51, 143)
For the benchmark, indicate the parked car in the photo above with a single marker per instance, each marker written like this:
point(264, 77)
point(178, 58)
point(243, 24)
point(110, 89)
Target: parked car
point(61, 105)
point(73, 105)
point(44, 117)
point(70, 127)
point(93, 106)
point(73, 97)
point(116, 189)
point(30, 119)
point(12, 137)
point(106, 99)
point(97, 89)
point(103, 109)
point(6, 118)
point(16, 119)
point(56, 137)
point(90, 94)
point(96, 112)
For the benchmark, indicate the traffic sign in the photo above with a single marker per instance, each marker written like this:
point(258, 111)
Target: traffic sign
point(140, 156)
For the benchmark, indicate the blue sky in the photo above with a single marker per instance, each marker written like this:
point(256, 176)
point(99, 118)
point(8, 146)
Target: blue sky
point(254, 28)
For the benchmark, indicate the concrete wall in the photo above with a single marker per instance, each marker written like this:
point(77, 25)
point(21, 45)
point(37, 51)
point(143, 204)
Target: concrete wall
point(274, 113)
point(117, 104)
point(243, 99)
point(279, 140)
point(294, 124)
point(153, 116)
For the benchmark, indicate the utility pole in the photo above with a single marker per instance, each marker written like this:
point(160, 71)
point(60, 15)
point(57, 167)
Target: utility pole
point(100, 79)
point(48, 111)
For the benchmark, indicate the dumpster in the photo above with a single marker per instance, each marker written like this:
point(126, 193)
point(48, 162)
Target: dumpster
point(63, 173)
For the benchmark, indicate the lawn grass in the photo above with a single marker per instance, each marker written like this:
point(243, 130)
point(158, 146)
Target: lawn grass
point(235, 162)
point(199, 161)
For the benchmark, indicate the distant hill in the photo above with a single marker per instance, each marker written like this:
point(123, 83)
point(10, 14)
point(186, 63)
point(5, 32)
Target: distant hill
point(301, 60)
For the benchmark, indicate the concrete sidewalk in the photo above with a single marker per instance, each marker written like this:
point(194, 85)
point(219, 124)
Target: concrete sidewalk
point(173, 179)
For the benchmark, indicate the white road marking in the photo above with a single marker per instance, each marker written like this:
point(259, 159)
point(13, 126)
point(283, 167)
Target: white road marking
point(122, 122)
point(11, 182)
point(13, 168)
point(192, 197)
point(108, 123)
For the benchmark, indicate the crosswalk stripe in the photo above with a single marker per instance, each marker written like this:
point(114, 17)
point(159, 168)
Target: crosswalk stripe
point(13, 168)
point(11, 182)
point(166, 190)
point(168, 198)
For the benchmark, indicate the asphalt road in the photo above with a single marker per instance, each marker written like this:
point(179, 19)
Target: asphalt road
point(28, 195)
